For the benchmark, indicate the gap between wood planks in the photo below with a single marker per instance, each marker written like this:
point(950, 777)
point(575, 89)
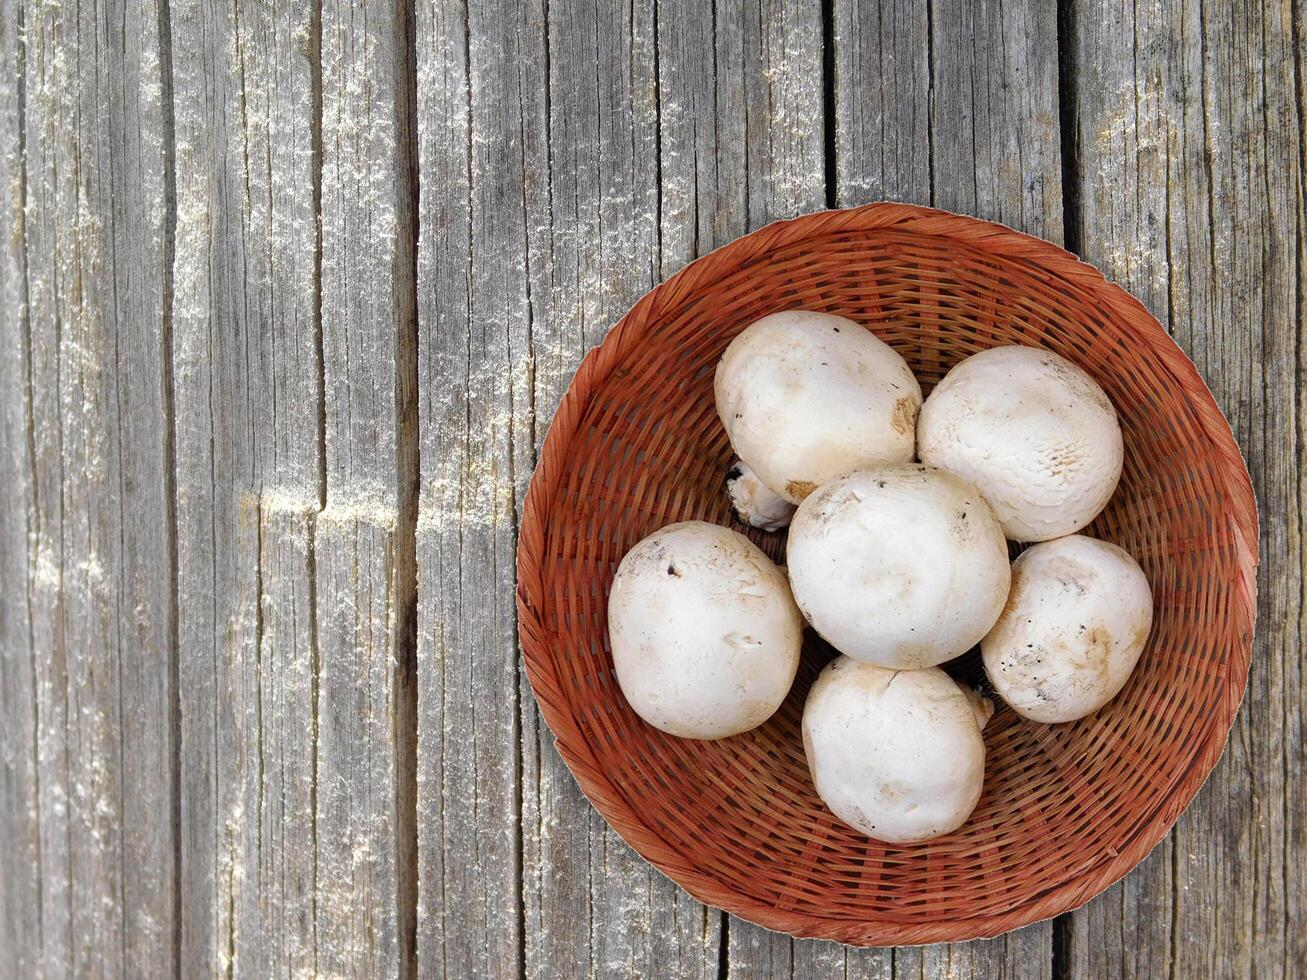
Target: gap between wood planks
point(410, 469)
point(166, 100)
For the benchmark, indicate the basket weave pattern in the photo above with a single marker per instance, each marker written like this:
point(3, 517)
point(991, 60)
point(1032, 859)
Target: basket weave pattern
point(1067, 809)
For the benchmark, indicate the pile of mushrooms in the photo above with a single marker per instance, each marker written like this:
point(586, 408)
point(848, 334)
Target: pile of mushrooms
point(899, 514)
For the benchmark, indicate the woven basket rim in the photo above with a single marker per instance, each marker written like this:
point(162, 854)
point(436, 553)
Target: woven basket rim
point(620, 341)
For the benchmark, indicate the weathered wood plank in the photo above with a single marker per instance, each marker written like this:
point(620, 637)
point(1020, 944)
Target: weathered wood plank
point(20, 897)
point(995, 139)
point(881, 135)
point(757, 953)
point(248, 398)
point(47, 114)
point(955, 105)
point(995, 153)
point(1190, 143)
point(481, 92)
point(99, 564)
point(365, 571)
point(1023, 953)
point(1127, 930)
point(881, 114)
point(741, 121)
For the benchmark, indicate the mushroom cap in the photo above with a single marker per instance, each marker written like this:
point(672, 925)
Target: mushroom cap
point(704, 632)
point(903, 566)
point(1035, 433)
point(753, 502)
point(807, 396)
point(896, 754)
point(1076, 620)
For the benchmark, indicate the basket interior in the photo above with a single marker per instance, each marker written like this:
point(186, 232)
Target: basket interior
point(649, 450)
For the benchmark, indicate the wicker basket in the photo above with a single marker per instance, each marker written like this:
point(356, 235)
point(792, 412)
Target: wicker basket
point(1067, 809)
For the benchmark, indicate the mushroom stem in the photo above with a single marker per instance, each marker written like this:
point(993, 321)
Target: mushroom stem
point(753, 502)
point(981, 706)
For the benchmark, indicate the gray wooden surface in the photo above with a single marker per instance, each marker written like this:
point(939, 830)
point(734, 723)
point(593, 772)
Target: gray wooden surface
point(288, 293)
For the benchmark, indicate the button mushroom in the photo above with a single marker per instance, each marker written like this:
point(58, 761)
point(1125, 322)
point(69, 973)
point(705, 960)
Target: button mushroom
point(753, 502)
point(704, 633)
point(808, 396)
point(896, 754)
point(903, 566)
point(1075, 623)
point(1035, 433)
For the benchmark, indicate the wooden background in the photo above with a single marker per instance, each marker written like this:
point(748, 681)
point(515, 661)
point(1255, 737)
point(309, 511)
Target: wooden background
point(288, 293)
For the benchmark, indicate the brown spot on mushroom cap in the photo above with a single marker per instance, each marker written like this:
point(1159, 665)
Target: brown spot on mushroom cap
point(1139, 635)
point(1100, 641)
point(904, 417)
point(892, 792)
point(1065, 460)
point(799, 488)
point(1090, 654)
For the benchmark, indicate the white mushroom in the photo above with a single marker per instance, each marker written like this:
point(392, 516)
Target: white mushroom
point(896, 754)
point(1076, 621)
point(753, 503)
point(1035, 433)
point(705, 635)
point(903, 566)
point(809, 396)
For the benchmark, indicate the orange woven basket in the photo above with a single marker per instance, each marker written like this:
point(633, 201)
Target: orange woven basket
point(1067, 809)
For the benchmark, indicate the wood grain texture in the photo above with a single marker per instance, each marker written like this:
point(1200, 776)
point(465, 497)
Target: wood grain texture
point(1190, 144)
point(260, 705)
point(882, 78)
point(995, 153)
point(995, 147)
point(247, 401)
point(365, 571)
point(20, 821)
point(481, 97)
point(98, 543)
